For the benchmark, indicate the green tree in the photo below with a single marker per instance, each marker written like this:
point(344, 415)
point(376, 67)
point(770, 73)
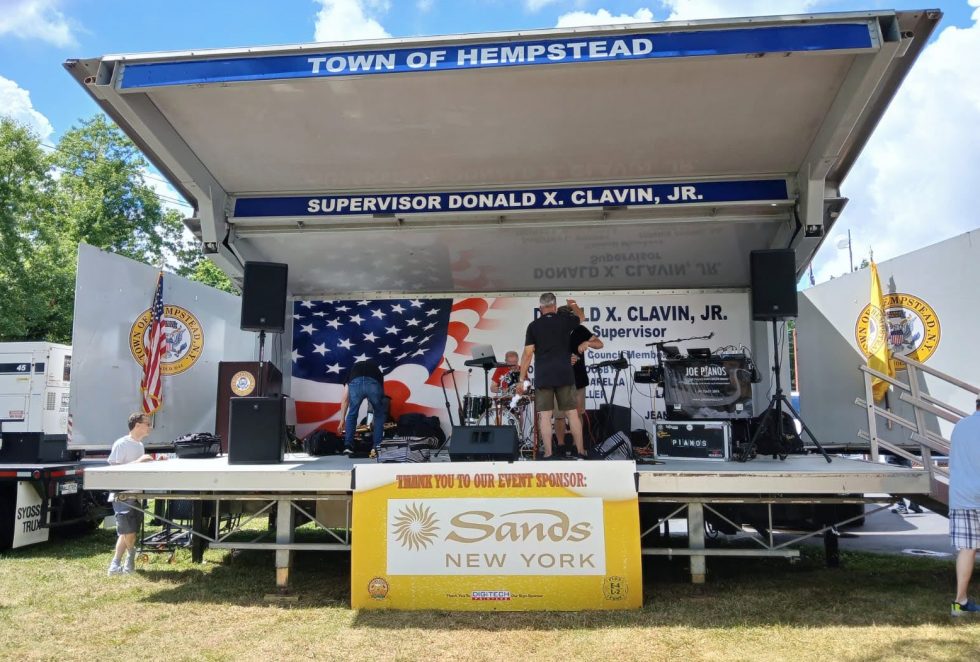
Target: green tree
point(34, 274)
point(107, 202)
point(92, 189)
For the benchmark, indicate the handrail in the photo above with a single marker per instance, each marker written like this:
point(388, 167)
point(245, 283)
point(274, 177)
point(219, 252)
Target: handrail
point(975, 390)
point(911, 392)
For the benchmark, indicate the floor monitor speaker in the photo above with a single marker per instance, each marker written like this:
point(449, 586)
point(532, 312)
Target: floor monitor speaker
point(484, 443)
point(264, 297)
point(773, 275)
point(256, 430)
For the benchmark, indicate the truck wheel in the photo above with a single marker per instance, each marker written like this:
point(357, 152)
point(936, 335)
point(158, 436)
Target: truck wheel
point(8, 502)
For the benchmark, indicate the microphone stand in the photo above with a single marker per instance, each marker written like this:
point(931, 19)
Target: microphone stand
point(445, 393)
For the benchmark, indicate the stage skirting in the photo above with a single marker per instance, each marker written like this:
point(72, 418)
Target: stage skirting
point(496, 537)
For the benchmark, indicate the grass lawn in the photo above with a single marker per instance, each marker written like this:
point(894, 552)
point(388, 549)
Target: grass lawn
point(57, 603)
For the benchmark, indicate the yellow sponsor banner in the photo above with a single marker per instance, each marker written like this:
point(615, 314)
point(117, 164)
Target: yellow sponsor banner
point(496, 536)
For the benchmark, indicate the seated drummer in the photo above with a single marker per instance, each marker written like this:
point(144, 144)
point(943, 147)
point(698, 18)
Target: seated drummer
point(505, 377)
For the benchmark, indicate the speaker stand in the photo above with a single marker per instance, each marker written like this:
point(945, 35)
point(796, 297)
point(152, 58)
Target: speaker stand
point(775, 411)
point(261, 389)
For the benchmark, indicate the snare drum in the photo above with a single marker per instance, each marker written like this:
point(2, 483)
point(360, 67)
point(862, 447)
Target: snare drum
point(474, 406)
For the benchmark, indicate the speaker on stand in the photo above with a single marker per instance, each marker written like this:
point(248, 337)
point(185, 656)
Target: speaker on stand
point(256, 420)
point(773, 279)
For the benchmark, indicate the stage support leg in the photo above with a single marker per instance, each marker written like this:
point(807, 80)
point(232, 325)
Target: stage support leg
point(198, 544)
point(695, 540)
point(831, 548)
point(284, 536)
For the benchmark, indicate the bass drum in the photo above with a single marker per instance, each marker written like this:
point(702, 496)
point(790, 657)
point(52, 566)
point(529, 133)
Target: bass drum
point(474, 406)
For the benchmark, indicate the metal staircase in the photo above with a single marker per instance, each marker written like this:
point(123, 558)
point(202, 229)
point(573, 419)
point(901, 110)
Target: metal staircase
point(929, 442)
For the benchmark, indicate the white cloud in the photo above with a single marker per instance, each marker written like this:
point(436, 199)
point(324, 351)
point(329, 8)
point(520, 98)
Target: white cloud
point(692, 10)
point(346, 20)
point(35, 19)
point(424, 5)
point(15, 103)
point(916, 181)
point(577, 19)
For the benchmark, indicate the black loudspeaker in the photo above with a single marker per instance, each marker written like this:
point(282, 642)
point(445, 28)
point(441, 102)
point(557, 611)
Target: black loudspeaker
point(256, 430)
point(264, 297)
point(484, 443)
point(773, 284)
point(596, 420)
point(33, 447)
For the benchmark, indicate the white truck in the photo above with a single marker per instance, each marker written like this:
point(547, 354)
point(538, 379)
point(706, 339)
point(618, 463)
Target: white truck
point(40, 481)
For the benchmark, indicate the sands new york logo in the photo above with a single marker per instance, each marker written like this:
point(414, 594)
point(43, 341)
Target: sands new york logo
point(496, 536)
point(912, 329)
point(415, 527)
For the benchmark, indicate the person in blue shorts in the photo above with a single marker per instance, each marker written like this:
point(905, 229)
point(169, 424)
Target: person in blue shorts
point(964, 506)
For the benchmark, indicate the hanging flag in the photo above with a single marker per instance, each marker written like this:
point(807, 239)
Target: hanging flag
point(813, 281)
point(156, 348)
point(879, 357)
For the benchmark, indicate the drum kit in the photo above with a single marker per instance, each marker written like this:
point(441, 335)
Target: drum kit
point(506, 406)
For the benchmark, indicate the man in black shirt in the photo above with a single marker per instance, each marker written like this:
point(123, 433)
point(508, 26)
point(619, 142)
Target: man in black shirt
point(365, 382)
point(581, 340)
point(546, 341)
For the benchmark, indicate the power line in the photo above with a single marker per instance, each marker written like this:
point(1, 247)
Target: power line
point(150, 175)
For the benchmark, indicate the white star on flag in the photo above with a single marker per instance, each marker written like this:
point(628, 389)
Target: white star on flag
point(307, 328)
point(432, 311)
point(363, 302)
point(361, 357)
point(357, 319)
point(370, 337)
point(345, 343)
point(333, 324)
point(392, 329)
point(416, 303)
point(307, 304)
point(320, 348)
point(342, 309)
point(334, 368)
point(377, 313)
point(429, 326)
point(396, 308)
point(296, 355)
point(387, 349)
point(412, 322)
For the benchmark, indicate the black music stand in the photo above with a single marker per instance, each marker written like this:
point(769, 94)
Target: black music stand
point(775, 411)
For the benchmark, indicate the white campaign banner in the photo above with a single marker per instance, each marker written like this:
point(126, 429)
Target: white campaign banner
point(519, 536)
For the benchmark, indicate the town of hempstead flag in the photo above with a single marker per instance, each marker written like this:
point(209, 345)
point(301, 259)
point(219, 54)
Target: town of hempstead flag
point(878, 354)
point(405, 337)
point(156, 348)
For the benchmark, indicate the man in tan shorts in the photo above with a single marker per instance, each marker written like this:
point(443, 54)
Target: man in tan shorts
point(546, 340)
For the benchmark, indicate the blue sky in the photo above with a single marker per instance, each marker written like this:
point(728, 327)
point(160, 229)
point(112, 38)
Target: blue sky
point(36, 36)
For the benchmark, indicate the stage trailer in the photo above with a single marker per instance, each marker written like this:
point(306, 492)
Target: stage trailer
point(631, 165)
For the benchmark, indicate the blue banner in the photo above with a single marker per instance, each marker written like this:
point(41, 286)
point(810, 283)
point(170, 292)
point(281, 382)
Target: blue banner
point(633, 195)
point(699, 43)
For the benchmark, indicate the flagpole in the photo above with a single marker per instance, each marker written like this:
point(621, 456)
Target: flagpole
point(850, 250)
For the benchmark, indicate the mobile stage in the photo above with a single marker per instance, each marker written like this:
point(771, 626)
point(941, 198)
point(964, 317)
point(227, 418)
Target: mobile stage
point(597, 162)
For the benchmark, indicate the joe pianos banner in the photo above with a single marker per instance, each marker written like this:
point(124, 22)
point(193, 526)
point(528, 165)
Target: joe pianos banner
point(496, 537)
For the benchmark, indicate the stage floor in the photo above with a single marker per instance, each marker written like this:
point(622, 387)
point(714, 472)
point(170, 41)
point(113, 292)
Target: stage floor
point(797, 475)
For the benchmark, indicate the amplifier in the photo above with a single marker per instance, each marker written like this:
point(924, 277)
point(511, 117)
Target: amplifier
point(694, 440)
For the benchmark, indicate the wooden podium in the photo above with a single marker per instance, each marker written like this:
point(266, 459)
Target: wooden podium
point(242, 379)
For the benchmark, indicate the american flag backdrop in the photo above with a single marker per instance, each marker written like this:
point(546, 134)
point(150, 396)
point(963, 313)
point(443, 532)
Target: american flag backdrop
point(410, 339)
point(151, 384)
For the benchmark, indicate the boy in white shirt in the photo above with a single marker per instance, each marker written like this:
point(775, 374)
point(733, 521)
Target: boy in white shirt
point(125, 450)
